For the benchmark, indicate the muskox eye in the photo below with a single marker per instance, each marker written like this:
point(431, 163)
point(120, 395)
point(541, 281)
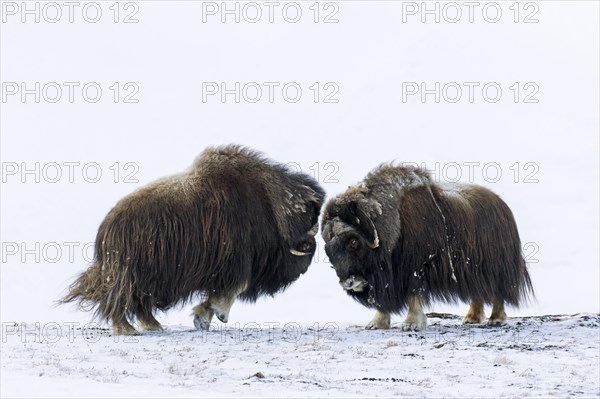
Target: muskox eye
point(352, 244)
point(305, 246)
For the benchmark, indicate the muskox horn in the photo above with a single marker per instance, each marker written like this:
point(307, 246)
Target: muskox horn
point(367, 226)
point(375, 242)
point(298, 253)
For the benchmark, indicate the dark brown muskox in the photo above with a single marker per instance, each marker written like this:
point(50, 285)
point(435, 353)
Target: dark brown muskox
point(234, 225)
point(398, 239)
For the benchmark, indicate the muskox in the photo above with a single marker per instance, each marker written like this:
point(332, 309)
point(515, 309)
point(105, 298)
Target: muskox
point(235, 225)
point(398, 239)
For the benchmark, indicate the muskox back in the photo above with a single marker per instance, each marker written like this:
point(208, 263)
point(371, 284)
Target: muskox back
point(223, 226)
point(472, 244)
point(413, 241)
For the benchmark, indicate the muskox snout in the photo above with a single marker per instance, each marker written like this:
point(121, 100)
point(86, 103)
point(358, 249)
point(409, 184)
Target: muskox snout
point(354, 283)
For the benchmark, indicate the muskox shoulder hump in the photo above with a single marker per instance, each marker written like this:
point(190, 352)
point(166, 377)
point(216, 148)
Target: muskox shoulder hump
point(401, 176)
point(231, 156)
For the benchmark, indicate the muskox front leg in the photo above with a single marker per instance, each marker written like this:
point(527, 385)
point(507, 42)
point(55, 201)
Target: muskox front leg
point(475, 315)
point(203, 315)
point(498, 316)
point(415, 319)
point(218, 305)
point(381, 321)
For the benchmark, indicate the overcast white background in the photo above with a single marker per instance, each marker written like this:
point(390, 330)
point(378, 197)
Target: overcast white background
point(369, 54)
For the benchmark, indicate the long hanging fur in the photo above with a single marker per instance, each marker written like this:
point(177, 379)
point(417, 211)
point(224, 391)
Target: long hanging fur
point(228, 221)
point(444, 242)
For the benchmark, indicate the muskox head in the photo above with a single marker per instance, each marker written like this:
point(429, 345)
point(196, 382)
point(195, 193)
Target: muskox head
point(301, 227)
point(351, 238)
point(295, 200)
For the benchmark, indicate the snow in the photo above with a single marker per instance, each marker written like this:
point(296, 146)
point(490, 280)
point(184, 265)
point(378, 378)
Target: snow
point(547, 154)
point(529, 357)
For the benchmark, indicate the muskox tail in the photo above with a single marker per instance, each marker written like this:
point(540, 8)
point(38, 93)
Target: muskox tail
point(99, 291)
point(526, 291)
point(513, 277)
point(86, 289)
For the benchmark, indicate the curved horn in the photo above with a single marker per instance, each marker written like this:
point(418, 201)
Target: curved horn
point(298, 253)
point(375, 242)
point(367, 226)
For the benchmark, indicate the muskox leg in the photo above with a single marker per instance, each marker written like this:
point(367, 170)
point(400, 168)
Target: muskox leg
point(498, 316)
point(416, 319)
point(203, 315)
point(475, 315)
point(122, 327)
point(218, 305)
point(381, 321)
point(221, 306)
point(147, 321)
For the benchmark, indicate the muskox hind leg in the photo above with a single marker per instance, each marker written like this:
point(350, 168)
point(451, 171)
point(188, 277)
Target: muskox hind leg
point(475, 315)
point(498, 316)
point(381, 321)
point(415, 319)
point(147, 321)
point(122, 327)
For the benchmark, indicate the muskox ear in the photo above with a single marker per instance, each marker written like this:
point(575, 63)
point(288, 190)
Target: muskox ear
point(365, 224)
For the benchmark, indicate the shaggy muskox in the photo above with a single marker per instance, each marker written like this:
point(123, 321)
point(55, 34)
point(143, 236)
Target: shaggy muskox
point(399, 239)
point(234, 225)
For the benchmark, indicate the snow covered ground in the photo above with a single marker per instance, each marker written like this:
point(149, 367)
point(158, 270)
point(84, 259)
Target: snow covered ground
point(531, 356)
point(380, 81)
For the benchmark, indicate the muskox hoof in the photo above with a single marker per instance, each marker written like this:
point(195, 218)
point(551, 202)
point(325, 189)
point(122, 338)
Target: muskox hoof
point(473, 320)
point(496, 322)
point(381, 321)
point(377, 326)
point(152, 327)
point(415, 321)
point(201, 323)
point(414, 326)
point(124, 330)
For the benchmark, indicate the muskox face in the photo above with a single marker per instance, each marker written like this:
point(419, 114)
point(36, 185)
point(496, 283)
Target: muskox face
point(301, 252)
point(350, 238)
point(306, 244)
point(302, 227)
point(347, 249)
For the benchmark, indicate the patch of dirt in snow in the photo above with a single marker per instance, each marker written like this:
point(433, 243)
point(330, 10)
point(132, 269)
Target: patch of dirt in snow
point(554, 355)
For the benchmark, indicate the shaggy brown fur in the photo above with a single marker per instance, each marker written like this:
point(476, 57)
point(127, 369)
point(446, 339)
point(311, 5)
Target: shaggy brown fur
point(234, 223)
point(398, 238)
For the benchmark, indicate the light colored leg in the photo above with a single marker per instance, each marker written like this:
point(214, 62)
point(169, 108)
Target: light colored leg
point(415, 319)
point(222, 306)
point(215, 305)
point(498, 316)
point(475, 315)
point(149, 323)
point(381, 321)
point(122, 327)
point(203, 315)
